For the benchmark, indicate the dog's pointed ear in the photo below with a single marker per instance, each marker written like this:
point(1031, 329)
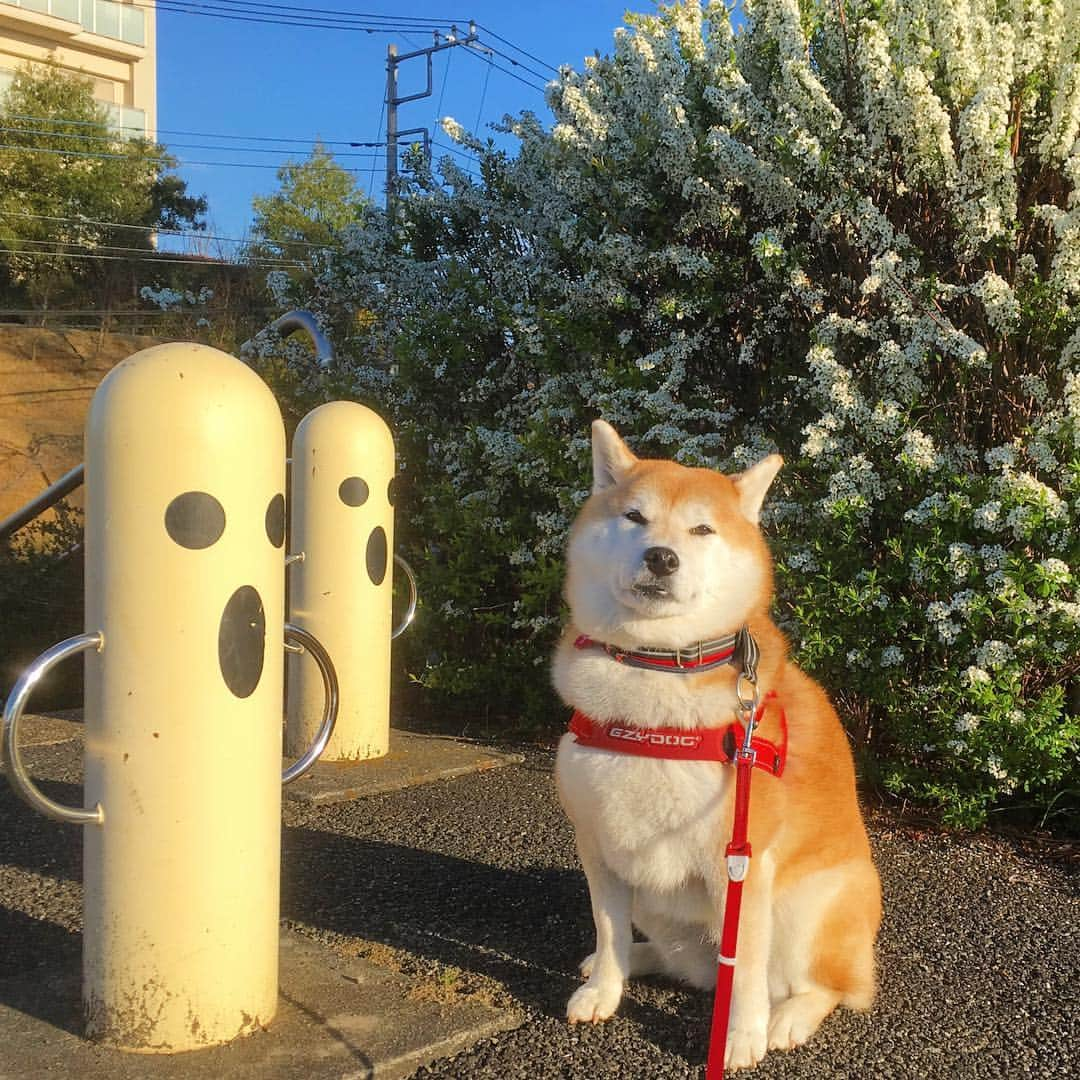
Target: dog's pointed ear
point(753, 484)
point(611, 457)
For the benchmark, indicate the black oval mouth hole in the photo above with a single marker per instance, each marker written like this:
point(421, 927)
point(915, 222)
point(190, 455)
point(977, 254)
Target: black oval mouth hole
point(242, 641)
point(376, 555)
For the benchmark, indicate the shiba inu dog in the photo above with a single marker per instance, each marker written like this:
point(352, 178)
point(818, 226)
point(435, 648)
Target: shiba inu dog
point(669, 583)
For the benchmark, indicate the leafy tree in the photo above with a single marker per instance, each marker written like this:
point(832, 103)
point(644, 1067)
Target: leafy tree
point(303, 221)
point(67, 181)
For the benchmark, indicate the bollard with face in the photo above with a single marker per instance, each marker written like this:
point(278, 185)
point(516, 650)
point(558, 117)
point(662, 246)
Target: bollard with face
point(343, 523)
point(185, 530)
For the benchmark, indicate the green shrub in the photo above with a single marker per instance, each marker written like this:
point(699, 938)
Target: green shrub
point(41, 595)
point(847, 232)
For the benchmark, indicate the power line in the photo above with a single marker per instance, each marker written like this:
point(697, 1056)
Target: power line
point(186, 146)
point(304, 11)
point(138, 313)
point(517, 63)
point(271, 16)
point(156, 229)
point(53, 249)
point(307, 10)
point(483, 98)
point(179, 162)
point(192, 134)
point(122, 258)
point(374, 163)
point(516, 48)
point(507, 71)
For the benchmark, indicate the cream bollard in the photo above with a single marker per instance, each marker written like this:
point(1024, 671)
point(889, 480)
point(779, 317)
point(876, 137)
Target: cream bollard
point(185, 518)
point(340, 586)
point(185, 530)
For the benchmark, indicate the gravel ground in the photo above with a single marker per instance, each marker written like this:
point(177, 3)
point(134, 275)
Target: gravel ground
point(474, 884)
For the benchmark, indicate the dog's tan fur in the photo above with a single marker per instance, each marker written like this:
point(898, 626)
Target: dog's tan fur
point(651, 833)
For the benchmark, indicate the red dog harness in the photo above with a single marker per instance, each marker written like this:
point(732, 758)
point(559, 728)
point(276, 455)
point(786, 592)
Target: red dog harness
point(680, 744)
point(725, 745)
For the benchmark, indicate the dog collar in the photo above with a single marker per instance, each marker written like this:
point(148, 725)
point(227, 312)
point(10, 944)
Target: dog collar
point(681, 744)
point(739, 649)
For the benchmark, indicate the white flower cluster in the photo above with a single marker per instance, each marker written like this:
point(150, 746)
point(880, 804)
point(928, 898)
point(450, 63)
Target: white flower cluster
point(993, 654)
point(174, 299)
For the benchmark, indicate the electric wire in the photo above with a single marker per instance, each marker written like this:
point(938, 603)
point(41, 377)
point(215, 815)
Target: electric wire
point(164, 161)
point(192, 233)
point(516, 48)
point(305, 10)
point(271, 17)
point(157, 259)
point(506, 71)
point(483, 98)
point(51, 248)
point(185, 146)
point(374, 162)
point(192, 134)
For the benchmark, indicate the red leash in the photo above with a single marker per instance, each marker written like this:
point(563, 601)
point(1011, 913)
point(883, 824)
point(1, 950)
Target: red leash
point(738, 863)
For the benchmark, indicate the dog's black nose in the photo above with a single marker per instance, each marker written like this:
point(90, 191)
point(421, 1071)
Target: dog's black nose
point(661, 561)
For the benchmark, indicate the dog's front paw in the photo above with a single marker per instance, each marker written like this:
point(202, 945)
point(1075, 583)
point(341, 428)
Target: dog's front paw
point(793, 1021)
point(591, 1003)
point(745, 1047)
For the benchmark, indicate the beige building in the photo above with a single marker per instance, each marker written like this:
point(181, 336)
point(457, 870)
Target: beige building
point(112, 43)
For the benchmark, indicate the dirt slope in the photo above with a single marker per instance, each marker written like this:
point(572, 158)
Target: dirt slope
point(47, 378)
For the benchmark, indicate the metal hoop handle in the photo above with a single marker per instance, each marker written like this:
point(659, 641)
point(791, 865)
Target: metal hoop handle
point(305, 642)
point(410, 612)
point(18, 777)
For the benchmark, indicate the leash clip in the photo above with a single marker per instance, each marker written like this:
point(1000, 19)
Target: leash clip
point(748, 705)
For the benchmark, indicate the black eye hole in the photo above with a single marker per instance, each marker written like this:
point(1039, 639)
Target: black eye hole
point(636, 516)
point(702, 530)
point(275, 521)
point(195, 520)
point(353, 491)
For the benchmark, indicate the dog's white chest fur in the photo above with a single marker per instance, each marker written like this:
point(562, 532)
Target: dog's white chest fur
point(657, 823)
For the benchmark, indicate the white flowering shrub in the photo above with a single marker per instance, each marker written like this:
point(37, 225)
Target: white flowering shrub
point(850, 232)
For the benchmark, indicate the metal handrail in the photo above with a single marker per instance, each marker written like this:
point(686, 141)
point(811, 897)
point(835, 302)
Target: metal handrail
point(300, 641)
point(410, 611)
point(17, 773)
point(292, 321)
point(45, 501)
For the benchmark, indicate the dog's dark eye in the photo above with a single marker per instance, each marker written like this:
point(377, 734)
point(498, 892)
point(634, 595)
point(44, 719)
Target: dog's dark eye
point(702, 530)
point(636, 516)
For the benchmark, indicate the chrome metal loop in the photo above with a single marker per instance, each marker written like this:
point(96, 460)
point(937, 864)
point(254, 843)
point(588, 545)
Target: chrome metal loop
point(18, 777)
point(748, 701)
point(410, 612)
point(300, 641)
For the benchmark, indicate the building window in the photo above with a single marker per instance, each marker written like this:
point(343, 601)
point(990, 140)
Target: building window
point(124, 22)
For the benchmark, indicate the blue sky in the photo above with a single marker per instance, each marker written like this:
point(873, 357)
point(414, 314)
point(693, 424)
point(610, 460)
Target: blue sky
point(226, 77)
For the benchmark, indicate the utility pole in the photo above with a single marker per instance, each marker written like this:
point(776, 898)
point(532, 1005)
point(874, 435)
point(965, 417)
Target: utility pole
point(393, 101)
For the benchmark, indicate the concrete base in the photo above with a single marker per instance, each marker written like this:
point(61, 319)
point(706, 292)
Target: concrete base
point(336, 1018)
point(413, 759)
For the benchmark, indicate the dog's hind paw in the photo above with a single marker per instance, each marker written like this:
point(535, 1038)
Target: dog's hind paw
point(590, 1004)
point(745, 1048)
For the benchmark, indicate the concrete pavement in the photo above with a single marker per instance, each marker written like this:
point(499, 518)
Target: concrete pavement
point(470, 890)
